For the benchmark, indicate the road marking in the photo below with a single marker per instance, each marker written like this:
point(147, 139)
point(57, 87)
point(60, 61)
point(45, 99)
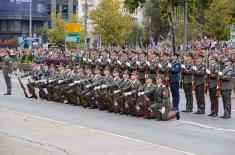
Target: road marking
point(99, 131)
point(206, 126)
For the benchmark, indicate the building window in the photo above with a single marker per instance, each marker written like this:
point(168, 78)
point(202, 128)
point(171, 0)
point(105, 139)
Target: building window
point(10, 26)
point(17, 26)
point(74, 9)
point(3, 26)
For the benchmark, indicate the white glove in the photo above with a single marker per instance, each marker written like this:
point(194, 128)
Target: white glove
point(60, 81)
point(159, 65)
point(220, 73)
point(109, 60)
point(88, 86)
point(183, 66)
point(169, 65)
point(150, 109)
point(84, 59)
point(162, 110)
point(99, 60)
point(116, 91)
point(140, 93)
point(89, 60)
point(126, 105)
point(208, 71)
point(115, 103)
point(127, 94)
point(137, 63)
point(137, 107)
point(95, 88)
point(50, 81)
point(148, 63)
point(194, 68)
point(119, 62)
point(104, 86)
point(71, 84)
point(128, 64)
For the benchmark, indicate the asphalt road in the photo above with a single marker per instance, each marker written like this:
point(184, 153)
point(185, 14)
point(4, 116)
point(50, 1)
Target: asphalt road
point(41, 127)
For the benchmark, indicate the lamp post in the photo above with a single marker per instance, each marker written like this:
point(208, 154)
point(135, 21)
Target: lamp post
point(30, 24)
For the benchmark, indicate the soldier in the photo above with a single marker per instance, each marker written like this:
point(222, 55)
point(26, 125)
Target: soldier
point(7, 70)
point(199, 79)
point(161, 109)
point(212, 72)
point(187, 82)
point(95, 81)
point(153, 63)
point(226, 87)
point(147, 91)
point(162, 67)
point(174, 70)
point(141, 66)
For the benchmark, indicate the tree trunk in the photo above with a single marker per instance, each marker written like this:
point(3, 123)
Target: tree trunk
point(171, 23)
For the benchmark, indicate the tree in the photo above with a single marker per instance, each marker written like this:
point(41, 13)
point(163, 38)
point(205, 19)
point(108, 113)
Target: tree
point(109, 23)
point(14, 41)
point(56, 34)
point(218, 18)
point(135, 35)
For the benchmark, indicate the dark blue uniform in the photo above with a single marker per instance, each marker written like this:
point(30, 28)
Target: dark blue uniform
point(174, 83)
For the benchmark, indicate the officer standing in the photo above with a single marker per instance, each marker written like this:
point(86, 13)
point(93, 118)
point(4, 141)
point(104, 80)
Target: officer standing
point(174, 68)
point(226, 87)
point(7, 70)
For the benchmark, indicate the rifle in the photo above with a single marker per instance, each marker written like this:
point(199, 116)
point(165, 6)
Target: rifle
point(218, 89)
point(206, 84)
point(22, 86)
point(181, 78)
point(33, 90)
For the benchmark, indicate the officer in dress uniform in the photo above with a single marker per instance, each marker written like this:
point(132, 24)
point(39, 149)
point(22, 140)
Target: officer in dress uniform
point(200, 71)
point(226, 87)
point(212, 72)
point(187, 82)
point(174, 70)
point(7, 70)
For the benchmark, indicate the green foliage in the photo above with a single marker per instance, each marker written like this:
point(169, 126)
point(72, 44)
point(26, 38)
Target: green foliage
point(27, 58)
point(218, 19)
point(109, 23)
point(135, 34)
point(14, 41)
point(56, 34)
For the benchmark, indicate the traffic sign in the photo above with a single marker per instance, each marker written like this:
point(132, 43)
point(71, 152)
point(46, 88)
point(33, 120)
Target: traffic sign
point(72, 28)
point(72, 37)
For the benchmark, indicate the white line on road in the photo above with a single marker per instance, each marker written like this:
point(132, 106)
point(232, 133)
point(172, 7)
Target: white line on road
point(206, 126)
point(99, 131)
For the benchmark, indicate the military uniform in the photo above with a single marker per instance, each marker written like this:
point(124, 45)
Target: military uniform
point(7, 70)
point(199, 89)
point(226, 89)
point(187, 86)
point(213, 75)
point(174, 71)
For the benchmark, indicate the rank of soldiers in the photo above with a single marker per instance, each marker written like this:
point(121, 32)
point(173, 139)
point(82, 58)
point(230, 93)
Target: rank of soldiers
point(136, 83)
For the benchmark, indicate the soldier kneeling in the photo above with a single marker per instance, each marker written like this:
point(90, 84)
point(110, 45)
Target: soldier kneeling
point(161, 109)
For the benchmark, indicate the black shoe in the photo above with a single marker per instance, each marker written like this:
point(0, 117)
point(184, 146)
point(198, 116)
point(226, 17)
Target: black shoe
point(187, 110)
point(211, 114)
point(122, 113)
point(31, 97)
point(178, 115)
point(93, 107)
point(225, 116)
point(214, 115)
point(8, 93)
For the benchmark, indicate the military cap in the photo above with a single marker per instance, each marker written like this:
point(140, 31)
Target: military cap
point(116, 70)
point(176, 54)
point(148, 76)
point(124, 51)
point(88, 68)
point(98, 68)
point(69, 67)
point(134, 73)
point(190, 55)
point(143, 52)
point(126, 72)
point(34, 61)
point(107, 68)
point(156, 52)
point(61, 65)
point(162, 77)
point(200, 54)
point(133, 51)
point(166, 53)
point(115, 51)
point(214, 58)
point(79, 67)
point(228, 59)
